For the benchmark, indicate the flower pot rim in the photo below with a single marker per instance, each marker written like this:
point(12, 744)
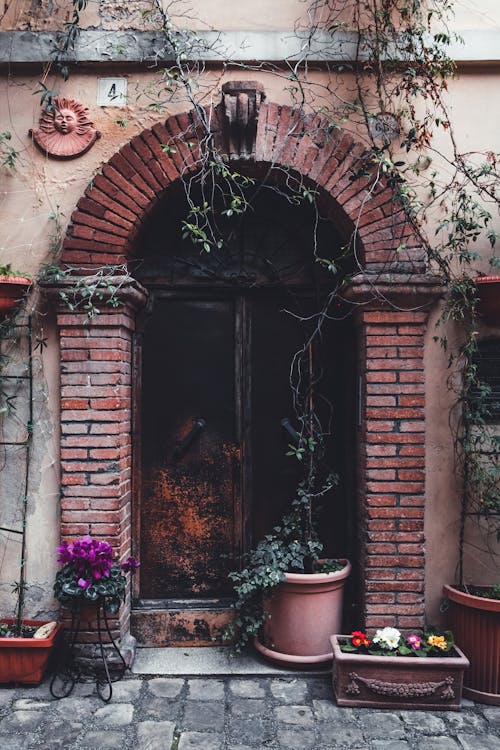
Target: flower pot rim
point(308, 578)
point(30, 642)
point(458, 661)
point(470, 600)
point(6, 279)
point(493, 279)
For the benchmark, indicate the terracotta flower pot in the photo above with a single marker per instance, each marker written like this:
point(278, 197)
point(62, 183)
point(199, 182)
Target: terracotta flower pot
point(24, 660)
point(301, 615)
point(12, 290)
point(475, 623)
point(404, 682)
point(488, 290)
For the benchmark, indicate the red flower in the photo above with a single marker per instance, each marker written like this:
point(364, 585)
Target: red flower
point(359, 638)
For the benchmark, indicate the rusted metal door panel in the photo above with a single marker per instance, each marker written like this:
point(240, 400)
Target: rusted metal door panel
point(189, 527)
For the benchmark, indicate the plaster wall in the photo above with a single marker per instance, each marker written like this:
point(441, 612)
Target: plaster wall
point(199, 14)
point(39, 187)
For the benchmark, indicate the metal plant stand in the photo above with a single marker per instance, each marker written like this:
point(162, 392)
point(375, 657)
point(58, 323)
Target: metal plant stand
point(73, 668)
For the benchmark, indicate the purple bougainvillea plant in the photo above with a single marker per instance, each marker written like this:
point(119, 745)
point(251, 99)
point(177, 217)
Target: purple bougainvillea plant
point(89, 573)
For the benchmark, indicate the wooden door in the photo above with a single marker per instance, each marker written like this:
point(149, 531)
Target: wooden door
point(215, 475)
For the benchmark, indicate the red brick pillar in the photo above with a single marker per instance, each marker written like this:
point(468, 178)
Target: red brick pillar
point(391, 445)
point(96, 424)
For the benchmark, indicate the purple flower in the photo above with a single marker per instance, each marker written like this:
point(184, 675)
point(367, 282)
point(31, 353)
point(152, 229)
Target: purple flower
point(414, 641)
point(84, 584)
point(130, 564)
point(64, 553)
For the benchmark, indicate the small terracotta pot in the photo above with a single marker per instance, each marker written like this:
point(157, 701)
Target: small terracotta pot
point(12, 290)
point(488, 291)
point(300, 616)
point(24, 660)
point(475, 623)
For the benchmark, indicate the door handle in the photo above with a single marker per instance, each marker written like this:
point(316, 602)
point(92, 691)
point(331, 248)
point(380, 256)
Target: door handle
point(186, 442)
point(286, 424)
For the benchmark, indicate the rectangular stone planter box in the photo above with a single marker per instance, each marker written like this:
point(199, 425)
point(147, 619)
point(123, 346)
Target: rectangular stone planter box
point(24, 660)
point(406, 682)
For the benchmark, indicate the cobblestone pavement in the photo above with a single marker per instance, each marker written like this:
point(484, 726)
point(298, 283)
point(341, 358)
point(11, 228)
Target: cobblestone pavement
point(230, 713)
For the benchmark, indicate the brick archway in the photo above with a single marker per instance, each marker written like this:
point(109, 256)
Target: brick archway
point(108, 216)
point(393, 294)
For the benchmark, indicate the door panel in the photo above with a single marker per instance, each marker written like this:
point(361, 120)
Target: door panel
point(275, 337)
point(190, 480)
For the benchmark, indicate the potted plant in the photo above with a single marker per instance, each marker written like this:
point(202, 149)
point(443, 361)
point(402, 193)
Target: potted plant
point(26, 645)
point(25, 649)
point(473, 612)
point(488, 294)
point(289, 599)
point(473, 608)
point(421, 670)
point(90, 577)
point(13, 287)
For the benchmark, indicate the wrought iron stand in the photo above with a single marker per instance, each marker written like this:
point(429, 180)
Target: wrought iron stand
point(75, 669)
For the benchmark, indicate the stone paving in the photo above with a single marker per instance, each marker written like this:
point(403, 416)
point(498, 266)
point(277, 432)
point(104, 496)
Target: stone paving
point(230, 713)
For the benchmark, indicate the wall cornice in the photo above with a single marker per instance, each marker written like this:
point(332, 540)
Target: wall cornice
point(135, 47)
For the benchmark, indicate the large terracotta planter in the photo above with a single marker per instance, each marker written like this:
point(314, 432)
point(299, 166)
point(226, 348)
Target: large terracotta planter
point(475, 623)
point(24, 660)
point(403, 682)
point(12, 290)
point(300, 616)
point(488, 291)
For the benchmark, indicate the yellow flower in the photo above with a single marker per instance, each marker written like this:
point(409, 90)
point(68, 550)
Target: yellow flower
point(437, 640)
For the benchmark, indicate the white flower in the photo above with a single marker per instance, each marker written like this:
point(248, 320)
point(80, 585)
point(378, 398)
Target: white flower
point(387, 637)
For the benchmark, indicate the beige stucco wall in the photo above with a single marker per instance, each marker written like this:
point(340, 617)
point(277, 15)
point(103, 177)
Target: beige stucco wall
point(39, 187)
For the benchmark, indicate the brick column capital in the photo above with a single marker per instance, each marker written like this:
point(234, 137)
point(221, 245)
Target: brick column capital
point(118, 298)
point(386, 291)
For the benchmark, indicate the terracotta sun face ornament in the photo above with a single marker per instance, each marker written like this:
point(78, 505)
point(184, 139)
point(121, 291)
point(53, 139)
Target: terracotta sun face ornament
point(65, 130)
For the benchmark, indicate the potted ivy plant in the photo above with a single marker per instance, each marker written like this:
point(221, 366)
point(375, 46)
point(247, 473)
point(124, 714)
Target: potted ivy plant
point(289, 599)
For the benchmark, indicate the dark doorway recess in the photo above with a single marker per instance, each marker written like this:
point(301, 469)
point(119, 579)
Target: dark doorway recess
point(217, 361)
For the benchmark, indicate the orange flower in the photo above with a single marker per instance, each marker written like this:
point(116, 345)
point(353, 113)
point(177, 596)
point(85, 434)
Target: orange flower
point(439, 641)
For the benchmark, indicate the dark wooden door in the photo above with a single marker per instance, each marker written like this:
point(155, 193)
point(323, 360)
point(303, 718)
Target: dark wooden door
point(215, 475)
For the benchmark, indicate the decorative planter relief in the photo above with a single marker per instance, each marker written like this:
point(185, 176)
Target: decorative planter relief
point(407, 682)
point(65, 130)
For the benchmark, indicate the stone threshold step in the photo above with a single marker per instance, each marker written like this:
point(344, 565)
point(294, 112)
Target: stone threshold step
point(211, 660)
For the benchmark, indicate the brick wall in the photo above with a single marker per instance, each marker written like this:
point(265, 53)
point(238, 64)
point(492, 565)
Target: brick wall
point(95, 422)
point(392, 457)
